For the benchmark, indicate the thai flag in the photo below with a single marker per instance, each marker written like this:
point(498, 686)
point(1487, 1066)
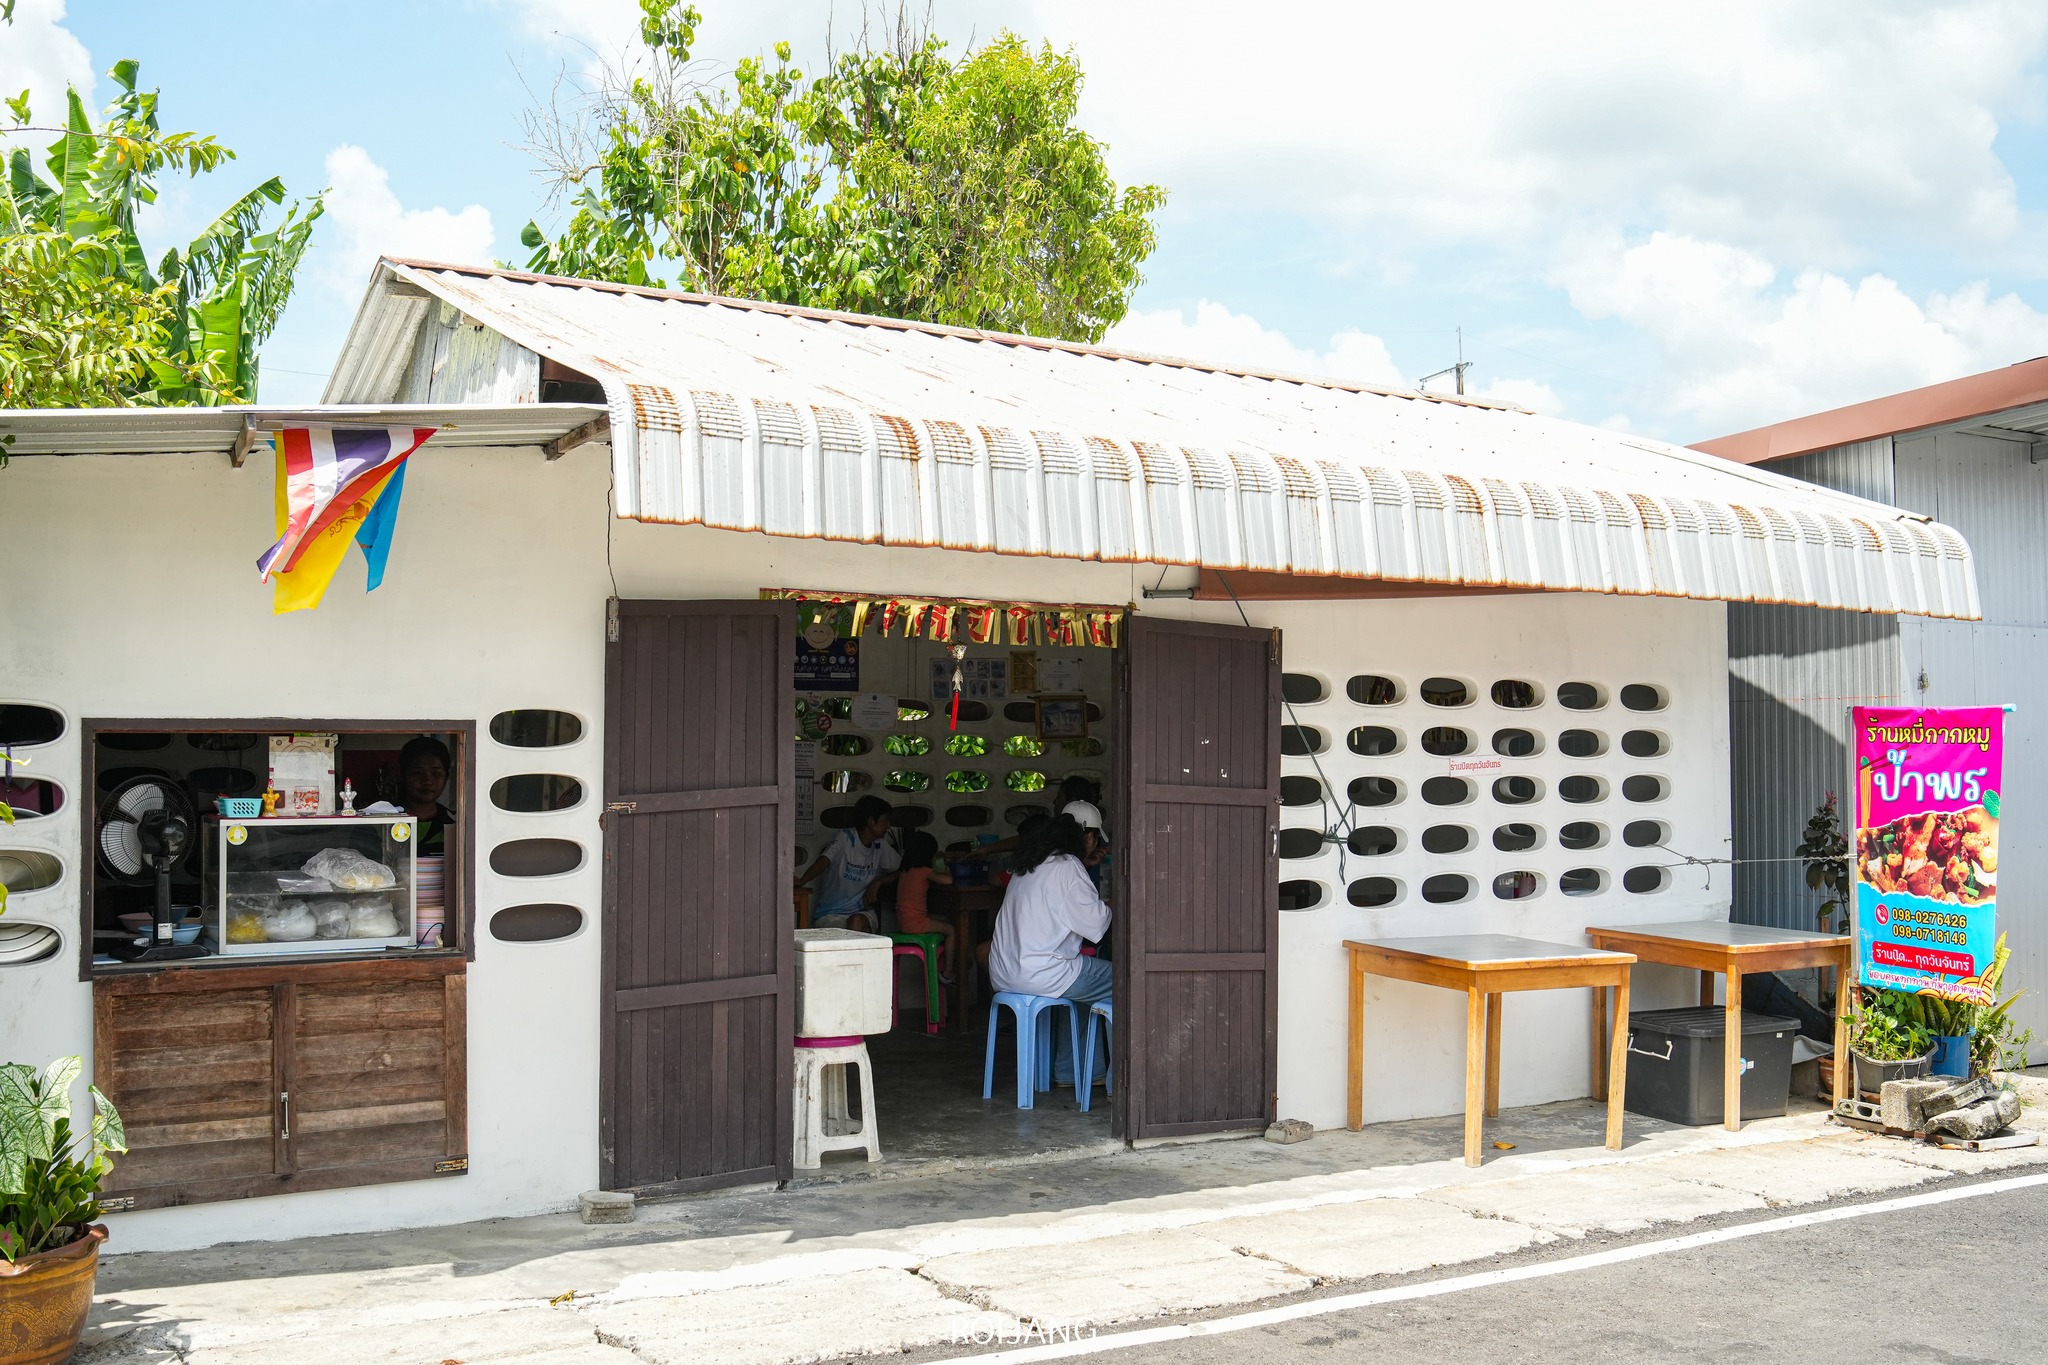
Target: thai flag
point(324, 471)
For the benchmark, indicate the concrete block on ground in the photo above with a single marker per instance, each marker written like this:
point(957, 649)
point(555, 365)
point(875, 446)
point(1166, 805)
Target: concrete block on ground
point(1979, 1120)
point(869, 1312)
point(1290, 1130)
point(1620, 1198)
point(1903, 1104)
point(1376, 1237)
point(1113, 1279)
point(1799, 1172)
point(1958, 1094)
point(605, 1206)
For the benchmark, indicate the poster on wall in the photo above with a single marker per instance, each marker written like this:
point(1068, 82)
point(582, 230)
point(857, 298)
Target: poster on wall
point(980, 679)
point(806, 781)
point(826, 660)
point(1925, 847)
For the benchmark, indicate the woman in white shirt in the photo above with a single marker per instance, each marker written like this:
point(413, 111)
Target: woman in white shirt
point(1050, 909)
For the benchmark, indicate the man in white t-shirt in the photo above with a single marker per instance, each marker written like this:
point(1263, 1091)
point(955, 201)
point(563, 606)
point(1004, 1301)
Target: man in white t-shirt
point(858, 862)
point(1049, 911)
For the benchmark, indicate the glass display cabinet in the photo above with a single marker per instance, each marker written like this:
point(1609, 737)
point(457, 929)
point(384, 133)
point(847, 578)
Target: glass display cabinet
point(311, 884)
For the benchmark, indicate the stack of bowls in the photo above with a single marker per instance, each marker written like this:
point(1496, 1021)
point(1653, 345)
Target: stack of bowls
point(430, 894)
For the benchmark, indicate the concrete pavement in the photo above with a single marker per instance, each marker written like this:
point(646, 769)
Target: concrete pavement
point(877, 1265)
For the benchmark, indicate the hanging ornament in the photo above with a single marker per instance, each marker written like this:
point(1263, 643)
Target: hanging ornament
point(959, 653)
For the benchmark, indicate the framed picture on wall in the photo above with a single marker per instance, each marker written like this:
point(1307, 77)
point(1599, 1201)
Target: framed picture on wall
point(1062, 718)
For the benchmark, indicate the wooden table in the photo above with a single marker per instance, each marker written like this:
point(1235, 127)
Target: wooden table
point(1716, 946)
point(1486, 966)
point(963, 904)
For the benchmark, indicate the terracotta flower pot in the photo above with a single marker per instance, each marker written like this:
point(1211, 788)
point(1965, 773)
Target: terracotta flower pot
point(44, 1299)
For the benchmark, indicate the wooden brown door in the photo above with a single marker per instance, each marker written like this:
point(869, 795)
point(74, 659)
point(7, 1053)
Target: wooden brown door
point(1198, 930)
point(699, 955)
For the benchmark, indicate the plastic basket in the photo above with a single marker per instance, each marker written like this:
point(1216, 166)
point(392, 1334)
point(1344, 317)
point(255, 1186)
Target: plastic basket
point(239, 807)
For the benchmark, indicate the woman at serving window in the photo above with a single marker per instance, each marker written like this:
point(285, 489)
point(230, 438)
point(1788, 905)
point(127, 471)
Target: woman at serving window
point(424, 766)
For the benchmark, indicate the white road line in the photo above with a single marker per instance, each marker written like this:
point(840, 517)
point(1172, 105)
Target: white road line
point(1458, 1284)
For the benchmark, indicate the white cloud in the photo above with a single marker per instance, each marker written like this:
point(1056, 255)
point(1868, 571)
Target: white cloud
point(1532, 394)
point(365, 220)
point(1743, 350)
point(39, 54)
point(1217, 336)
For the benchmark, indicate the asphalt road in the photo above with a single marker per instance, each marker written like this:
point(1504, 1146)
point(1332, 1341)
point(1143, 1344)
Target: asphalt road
point(1956, 1283)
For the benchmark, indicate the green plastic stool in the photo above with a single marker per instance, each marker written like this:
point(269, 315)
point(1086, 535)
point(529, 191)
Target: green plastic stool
point(925, 946)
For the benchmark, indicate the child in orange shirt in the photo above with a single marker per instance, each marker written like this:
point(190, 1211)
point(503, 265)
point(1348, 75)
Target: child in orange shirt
point(921, 867)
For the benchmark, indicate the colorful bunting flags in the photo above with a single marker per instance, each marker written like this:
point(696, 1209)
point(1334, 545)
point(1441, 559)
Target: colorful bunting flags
point(954, 620)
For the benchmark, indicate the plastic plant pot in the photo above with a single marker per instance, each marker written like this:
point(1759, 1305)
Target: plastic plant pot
point(1952, 1054)
point(1871, 1075)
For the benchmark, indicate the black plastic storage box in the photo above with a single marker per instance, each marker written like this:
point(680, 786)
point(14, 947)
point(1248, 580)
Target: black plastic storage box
point(1675, 1061)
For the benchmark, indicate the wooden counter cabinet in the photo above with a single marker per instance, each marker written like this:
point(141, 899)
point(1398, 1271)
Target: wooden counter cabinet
point(244, 1081)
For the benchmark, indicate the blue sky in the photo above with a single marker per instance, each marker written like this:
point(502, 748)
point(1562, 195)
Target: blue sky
point(1684, 220)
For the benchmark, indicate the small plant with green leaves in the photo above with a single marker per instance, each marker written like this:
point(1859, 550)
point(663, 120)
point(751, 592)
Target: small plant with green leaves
point(50, 1179)
point(1891, 1026)
point(1826, 853)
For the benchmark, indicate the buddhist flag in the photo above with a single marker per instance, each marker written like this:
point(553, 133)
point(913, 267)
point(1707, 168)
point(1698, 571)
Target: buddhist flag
point(334, 485)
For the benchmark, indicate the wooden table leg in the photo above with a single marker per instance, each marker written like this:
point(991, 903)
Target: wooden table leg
point(1354, 1054)
point(1706, 988)
point(1731, 1055)
point(1843, 1063)
point(1600, 1042)
point(1493, 1012)
point(1617, 1063)
point(1475, 1070)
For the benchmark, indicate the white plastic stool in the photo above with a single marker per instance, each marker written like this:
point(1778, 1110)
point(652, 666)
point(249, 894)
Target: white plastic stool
point(823, 1123)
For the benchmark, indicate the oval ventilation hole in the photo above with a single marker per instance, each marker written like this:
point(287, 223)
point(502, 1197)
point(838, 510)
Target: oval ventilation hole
point(1446, 791)
point(1643, 787)
point(1374, 841)
point(541, 922)
point(1645, 881)
point(1373, 689)
point(1091, 747)
point(1023, 712)
point(905, 780)
point(1645, 744)
point(846, 780)
point(966, 746)
point(1445, 692)
point(1023, 746)
point(1517, 838)
point(910, 817)
point(536, 857)
point(1516, 791)
point(847, 746)
point(1301, 740)
point(803, 857)
point(907, 745)
point(535, 729)
point(908, 710)
point(132, 743)
point(1644, 833)
point(1447, 888)
point(23, 870)
point(1017, 815)
point(1303, 689)
point(1515, 694)
point(839, 708)
point(836, 817)
point(1024, 780)
point(23, 944)
point(23, 724)
point(1581, 790)
point(111, 778)
point(1446, 839)
point(1643, 697)
point(1373, 741)
point(1301, 843)
point(1582, 744)
point(1580, 696)
point(1447, 741)
point(971, 712)
point(30, 798)
point(1516, 886)
point(1516, 743)
point(212, 782)
point(1583, 881)
point(1301, 895)
point(1300, 791)
point(1582, 834)
point(966, 782)
point(1373, 791)
point(1095, 714)
point(218, 742)
point(969, 817)
point(1373, 892)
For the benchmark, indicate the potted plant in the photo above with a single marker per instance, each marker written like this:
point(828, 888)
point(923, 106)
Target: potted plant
point(49, 1201)
point(1825, 852)
point(1889, 1040)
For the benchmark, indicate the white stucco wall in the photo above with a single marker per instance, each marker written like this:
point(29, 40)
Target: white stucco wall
point(135, 596)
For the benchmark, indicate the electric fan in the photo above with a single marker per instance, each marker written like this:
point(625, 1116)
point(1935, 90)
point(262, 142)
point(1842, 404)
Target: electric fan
point(145, 826)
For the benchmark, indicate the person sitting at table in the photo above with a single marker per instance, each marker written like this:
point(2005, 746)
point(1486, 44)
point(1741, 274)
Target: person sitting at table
point(1049, 910)
point(856, 865)
point(921, 869)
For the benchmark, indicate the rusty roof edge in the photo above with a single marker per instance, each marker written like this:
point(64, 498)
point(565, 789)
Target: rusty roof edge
point(2018, 385)
point(419, 272)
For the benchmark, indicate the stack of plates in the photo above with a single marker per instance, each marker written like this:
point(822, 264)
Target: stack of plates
point(430, 892)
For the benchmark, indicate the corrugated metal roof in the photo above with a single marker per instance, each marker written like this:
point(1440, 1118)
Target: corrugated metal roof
point(213, 431)
point(800, 423)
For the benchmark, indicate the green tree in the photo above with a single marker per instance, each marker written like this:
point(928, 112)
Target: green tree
point(901, 182)
point(89, 319)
